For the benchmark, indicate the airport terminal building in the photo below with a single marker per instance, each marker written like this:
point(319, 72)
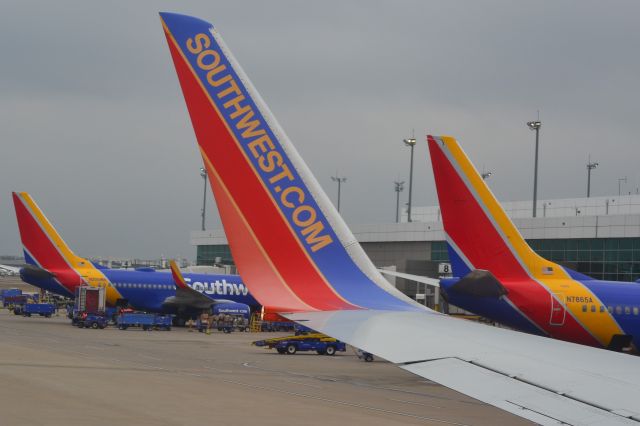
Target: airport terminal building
point(598, 236)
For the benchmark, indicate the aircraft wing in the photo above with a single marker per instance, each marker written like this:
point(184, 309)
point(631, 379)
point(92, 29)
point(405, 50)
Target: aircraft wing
point(298, 257)
point(418, 278)
point(186, 296)
point(544, 380)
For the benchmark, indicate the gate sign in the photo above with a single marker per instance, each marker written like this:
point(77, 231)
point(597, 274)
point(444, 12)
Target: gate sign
point(444, 268)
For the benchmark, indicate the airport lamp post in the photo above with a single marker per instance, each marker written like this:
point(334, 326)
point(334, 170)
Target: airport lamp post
point(535, 125)
point(399, 188)
point(410, 143)
point(486, 175)
point(340, 181)
point(203, 173)
point(590, 166)
point(620, 180)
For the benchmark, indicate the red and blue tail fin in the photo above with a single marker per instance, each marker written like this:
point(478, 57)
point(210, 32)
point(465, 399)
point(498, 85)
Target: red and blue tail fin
point(481, 236)
point(42, 244)
point(291, 246)
point(45, 248)
point(479, 233)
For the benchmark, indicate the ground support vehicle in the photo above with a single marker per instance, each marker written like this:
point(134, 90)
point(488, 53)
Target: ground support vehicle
point(322, 344)
point(42, 309)
point(163, 322)
point(301, 329)
point(277, 326)
point(89, 308)
point(365, 356)
point(135, 319)
point(231, 323)
point(90, 299)
point(6, 294)
point(144, 321)
point(92, 320)
point(15, 303)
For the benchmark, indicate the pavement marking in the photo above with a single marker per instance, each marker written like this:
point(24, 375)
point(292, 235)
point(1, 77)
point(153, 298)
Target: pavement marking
point(364, 385)
point(218, 369)
point(303, 384)
point(414, 403)
point(150, 357)
point(344, 403)
point(94, 347)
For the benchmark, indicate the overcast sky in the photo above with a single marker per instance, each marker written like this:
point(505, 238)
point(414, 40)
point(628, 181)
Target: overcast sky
point(94, 126)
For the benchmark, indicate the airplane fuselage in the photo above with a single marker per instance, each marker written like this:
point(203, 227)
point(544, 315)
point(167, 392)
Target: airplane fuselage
point(607, 316)
point(148, 290)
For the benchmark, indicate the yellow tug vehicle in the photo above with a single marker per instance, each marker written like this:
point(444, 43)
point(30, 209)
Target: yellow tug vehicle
point(322, 344)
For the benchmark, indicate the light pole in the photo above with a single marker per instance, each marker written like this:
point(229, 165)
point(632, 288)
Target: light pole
point(340, 181)
point(620, 180)
point(535, 125)
point(590, 166)
point(410, 143)
point(399, 188)
point(203, 173)
point(485, 175)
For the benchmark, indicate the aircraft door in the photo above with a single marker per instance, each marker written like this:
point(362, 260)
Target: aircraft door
point(558, 311)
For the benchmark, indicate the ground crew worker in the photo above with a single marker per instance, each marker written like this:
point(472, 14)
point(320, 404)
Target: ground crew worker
point(210, 323)
point(245, 323)
point(204, 321)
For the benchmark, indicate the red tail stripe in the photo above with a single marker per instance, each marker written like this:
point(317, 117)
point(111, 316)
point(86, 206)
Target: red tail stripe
point(41, 248)
point(251, 197)
point(485, 249)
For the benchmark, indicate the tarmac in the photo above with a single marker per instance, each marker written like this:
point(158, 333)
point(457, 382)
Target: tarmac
point(55, 374)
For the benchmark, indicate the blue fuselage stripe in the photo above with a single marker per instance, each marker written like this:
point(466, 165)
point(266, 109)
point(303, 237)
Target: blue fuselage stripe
point(148, 290)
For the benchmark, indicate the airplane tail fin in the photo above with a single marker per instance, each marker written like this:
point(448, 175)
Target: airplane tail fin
point(291, 246)
point(43, 246)
point(479, 233)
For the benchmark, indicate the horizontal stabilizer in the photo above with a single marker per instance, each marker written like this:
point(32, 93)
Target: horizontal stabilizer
point(37, 272)
point(418, 278)
point(480, 283)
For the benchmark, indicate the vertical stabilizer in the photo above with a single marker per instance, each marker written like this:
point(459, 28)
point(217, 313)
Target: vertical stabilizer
point(290, 244)
point(479, 233)
point(44, 247)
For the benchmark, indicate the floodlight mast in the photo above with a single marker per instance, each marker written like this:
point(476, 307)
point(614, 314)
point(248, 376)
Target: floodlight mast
point(411, 142)
point(535, 125)
point(203, 173)
point(590, 166)
point(399, 186)
point(340, 181)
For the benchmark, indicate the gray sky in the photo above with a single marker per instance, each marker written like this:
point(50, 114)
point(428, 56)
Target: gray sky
point(94, 126)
